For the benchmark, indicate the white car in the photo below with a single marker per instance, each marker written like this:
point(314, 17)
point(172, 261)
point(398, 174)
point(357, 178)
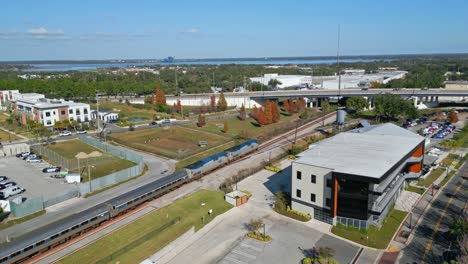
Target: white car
point(65, 134)
point(34, 160)
point(81, 132)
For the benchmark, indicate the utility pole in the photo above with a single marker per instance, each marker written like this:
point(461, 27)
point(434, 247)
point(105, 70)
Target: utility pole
point(338, 64)
point(97, 110)
point(178, 91)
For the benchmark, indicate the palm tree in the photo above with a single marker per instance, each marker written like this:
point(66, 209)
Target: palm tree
point(74, 123)
point(66, 124)
point(58, 125)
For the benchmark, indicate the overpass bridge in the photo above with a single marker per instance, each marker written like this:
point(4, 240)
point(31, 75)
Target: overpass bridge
point(313, 97)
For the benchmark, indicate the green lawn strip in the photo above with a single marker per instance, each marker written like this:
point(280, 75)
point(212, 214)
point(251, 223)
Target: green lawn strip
point(189, 210)
point(449, 159)
point(5, 224)
point(378, 238)
point(447, 178)
point(415, 189)
point(431, 177)
point(183, 163)
point(145, 169)
point(107, 167)
point(461, 162)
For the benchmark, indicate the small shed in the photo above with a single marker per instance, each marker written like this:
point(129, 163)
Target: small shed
point(236, 198)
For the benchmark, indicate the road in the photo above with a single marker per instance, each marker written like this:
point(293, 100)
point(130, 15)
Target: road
point(431, 236)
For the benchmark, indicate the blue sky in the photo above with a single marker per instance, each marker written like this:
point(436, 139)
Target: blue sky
point(101, 29)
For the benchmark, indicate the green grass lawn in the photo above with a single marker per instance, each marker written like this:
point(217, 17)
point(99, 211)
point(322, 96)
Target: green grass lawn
point(107, 167)
point(431, 177)
point(172, 142)
point(414, 189)
point(188, 209)
point(247, 128)
point(70, 148)
point(447, 178)
point(7, 137)
point(449, 159)
point(378, 238)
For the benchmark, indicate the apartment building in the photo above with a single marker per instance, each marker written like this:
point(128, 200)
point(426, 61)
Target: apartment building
point(48, 111)
point(6, 96)
point(354, 177)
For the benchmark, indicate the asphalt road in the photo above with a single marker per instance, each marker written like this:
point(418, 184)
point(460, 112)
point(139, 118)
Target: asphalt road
point(431, 237)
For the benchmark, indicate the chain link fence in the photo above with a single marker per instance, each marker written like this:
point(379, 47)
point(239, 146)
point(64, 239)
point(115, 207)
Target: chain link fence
point(28, 207)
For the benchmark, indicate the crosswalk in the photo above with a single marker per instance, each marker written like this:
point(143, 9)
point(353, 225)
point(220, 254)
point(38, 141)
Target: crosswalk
point(245, 252)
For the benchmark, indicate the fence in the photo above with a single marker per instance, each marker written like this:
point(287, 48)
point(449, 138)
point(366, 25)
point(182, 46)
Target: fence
point(30, 206)
point(115, 177)
point(146, 237)
point(361, 224)
point(61, 197)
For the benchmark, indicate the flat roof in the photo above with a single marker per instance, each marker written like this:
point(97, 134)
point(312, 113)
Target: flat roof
point(366, 152)
point(50, 103)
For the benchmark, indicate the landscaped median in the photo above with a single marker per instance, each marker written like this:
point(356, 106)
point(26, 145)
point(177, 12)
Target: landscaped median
point(130, 245)
point(373, 237)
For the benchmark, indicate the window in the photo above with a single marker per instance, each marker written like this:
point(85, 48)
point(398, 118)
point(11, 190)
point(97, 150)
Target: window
point(328, 202)
point(47, 114)
point(54, 112)
point(298, 193)
point(298, 175)
point(313, 178)
point(70, 111)
point(312, 197)
point(85, 111)
point(329, 183)
point(63, 112)
point(49, 122)
point(78, 112)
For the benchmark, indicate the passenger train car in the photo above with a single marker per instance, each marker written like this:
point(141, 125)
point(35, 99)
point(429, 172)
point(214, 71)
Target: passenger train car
point(61, 231)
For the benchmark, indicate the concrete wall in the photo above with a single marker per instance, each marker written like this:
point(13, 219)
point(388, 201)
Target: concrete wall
point(13, 149)
point(307, 187)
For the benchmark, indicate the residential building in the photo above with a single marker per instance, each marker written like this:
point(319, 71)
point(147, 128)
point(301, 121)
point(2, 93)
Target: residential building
point(354, 177)
point(104, 116)
point(48, 111)
point(6, 96)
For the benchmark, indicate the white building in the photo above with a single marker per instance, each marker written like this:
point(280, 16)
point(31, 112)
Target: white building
point(7, 96)
point(49, 111)
point(360, 80)
point(286, 80)
point(104, 116)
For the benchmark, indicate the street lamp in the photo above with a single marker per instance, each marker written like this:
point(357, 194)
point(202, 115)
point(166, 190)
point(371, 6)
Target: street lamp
point(264, 237)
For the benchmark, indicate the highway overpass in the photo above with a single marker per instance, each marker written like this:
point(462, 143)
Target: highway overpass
point(313, 97)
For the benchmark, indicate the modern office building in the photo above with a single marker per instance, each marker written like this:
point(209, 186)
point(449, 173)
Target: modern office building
point(354, 177)
point(6, 96)
point(48, 111)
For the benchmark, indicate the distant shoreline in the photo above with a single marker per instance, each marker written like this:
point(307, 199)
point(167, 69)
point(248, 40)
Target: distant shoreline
point(266, 59)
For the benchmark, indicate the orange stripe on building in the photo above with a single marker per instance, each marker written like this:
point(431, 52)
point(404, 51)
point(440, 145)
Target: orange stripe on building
point(418, 152)
point(335, 198)
point(415, 167)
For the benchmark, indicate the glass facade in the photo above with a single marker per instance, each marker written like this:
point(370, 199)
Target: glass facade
point(352, 199)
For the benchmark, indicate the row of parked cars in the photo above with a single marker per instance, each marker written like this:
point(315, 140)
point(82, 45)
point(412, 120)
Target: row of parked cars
point(29, 157)
point(67, 133)
point(8, 188)
point(446, 129)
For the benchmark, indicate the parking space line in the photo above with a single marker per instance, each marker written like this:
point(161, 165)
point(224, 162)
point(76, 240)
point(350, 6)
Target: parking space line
point(242, 253)
point(251, 247)
point(234, 260)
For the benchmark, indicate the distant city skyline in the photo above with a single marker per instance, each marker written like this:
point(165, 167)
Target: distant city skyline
point(106, 30)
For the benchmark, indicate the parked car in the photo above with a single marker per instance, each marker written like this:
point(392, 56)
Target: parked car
point(65, 133)
point(153, 123)
point(10, 191)
point(51, 169)
point(79, 132)
point(36, 160)
point(23, 154)
point(31, 156)
point(6, 185)
point(3, 178)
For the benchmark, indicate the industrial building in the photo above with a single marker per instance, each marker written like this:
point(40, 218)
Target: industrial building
point(286, 80)
point(105, 116)
point(354, 177)
point(48, 111)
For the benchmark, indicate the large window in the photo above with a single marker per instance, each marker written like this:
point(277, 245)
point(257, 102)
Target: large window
point(298, 175)
point(85, 111)
point(47, 114)
point(329, 183)
point(70, 111)
point(63, 112)
point(78, 112)
point(312, 197)
point(298, 193)
point(313, 178)
point(328, 202)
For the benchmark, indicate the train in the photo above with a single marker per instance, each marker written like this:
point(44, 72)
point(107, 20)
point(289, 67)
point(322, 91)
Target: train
point(63, 230)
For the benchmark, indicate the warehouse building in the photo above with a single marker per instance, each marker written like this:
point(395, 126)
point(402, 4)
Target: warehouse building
point(354, 177)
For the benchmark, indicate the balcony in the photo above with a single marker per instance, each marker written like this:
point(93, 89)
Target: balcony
point(414, 159)
point(385, 198)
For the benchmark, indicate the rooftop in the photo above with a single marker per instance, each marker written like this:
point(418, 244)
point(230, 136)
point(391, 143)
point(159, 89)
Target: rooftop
point(49, 103)
point(367, 152)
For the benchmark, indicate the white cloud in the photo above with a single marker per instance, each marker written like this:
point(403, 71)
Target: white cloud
point(43, 31)
point(189, 31)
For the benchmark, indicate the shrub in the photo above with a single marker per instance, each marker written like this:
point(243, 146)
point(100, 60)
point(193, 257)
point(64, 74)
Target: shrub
point(307, 261)
point(259, 236)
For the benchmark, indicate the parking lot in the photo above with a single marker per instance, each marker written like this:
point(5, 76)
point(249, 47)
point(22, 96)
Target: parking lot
point(30, 177)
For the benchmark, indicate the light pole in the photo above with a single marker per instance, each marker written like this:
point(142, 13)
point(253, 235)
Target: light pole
point(89, 174)
point(264, 237)
point(411, 217)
